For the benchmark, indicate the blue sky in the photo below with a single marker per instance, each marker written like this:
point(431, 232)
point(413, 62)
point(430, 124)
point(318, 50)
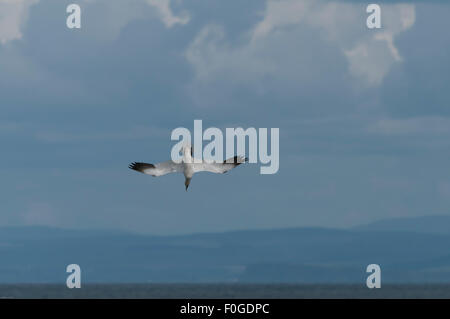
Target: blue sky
point(364, 115)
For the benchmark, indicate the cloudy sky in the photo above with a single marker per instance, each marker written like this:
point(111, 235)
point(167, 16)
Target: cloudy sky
point(364, 115)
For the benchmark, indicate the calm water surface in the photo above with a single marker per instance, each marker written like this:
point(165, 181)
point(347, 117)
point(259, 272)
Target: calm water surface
point(222, 291)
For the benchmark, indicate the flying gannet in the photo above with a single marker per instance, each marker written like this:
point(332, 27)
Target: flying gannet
point(187, 166)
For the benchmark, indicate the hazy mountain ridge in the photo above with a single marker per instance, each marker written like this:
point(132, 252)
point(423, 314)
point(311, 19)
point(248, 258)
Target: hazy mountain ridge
point(438, 224)
point(40, 254)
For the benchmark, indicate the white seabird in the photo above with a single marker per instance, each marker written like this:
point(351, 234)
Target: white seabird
point(187, 166)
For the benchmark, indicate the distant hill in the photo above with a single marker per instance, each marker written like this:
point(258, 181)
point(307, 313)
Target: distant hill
point(295, 255)
point(439, 224)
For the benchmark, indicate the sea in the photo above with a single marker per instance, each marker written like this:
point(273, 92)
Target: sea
point(228, 291)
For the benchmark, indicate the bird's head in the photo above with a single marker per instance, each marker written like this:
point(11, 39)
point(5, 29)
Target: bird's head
point(188, 150)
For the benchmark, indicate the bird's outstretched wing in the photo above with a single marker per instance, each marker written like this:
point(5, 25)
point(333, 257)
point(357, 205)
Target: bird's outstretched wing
point(220, 168)
point(157, 169)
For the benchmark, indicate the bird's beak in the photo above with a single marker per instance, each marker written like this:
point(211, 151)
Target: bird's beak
point(186, 183)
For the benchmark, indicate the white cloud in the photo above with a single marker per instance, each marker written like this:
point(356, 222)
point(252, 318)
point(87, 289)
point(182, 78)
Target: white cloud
point(209, 53)
point(166, 14)
point(13, 15)
point(220, 68)
point(370, 54)
point(117, 14)
point(279, 14)
point(373, 57)
point(113, 15)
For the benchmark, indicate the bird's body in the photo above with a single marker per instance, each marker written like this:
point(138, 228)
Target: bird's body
point(188, 166)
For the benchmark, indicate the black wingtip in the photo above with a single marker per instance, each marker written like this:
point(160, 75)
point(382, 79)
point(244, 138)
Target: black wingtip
point(140, 166)
point(236, 160)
